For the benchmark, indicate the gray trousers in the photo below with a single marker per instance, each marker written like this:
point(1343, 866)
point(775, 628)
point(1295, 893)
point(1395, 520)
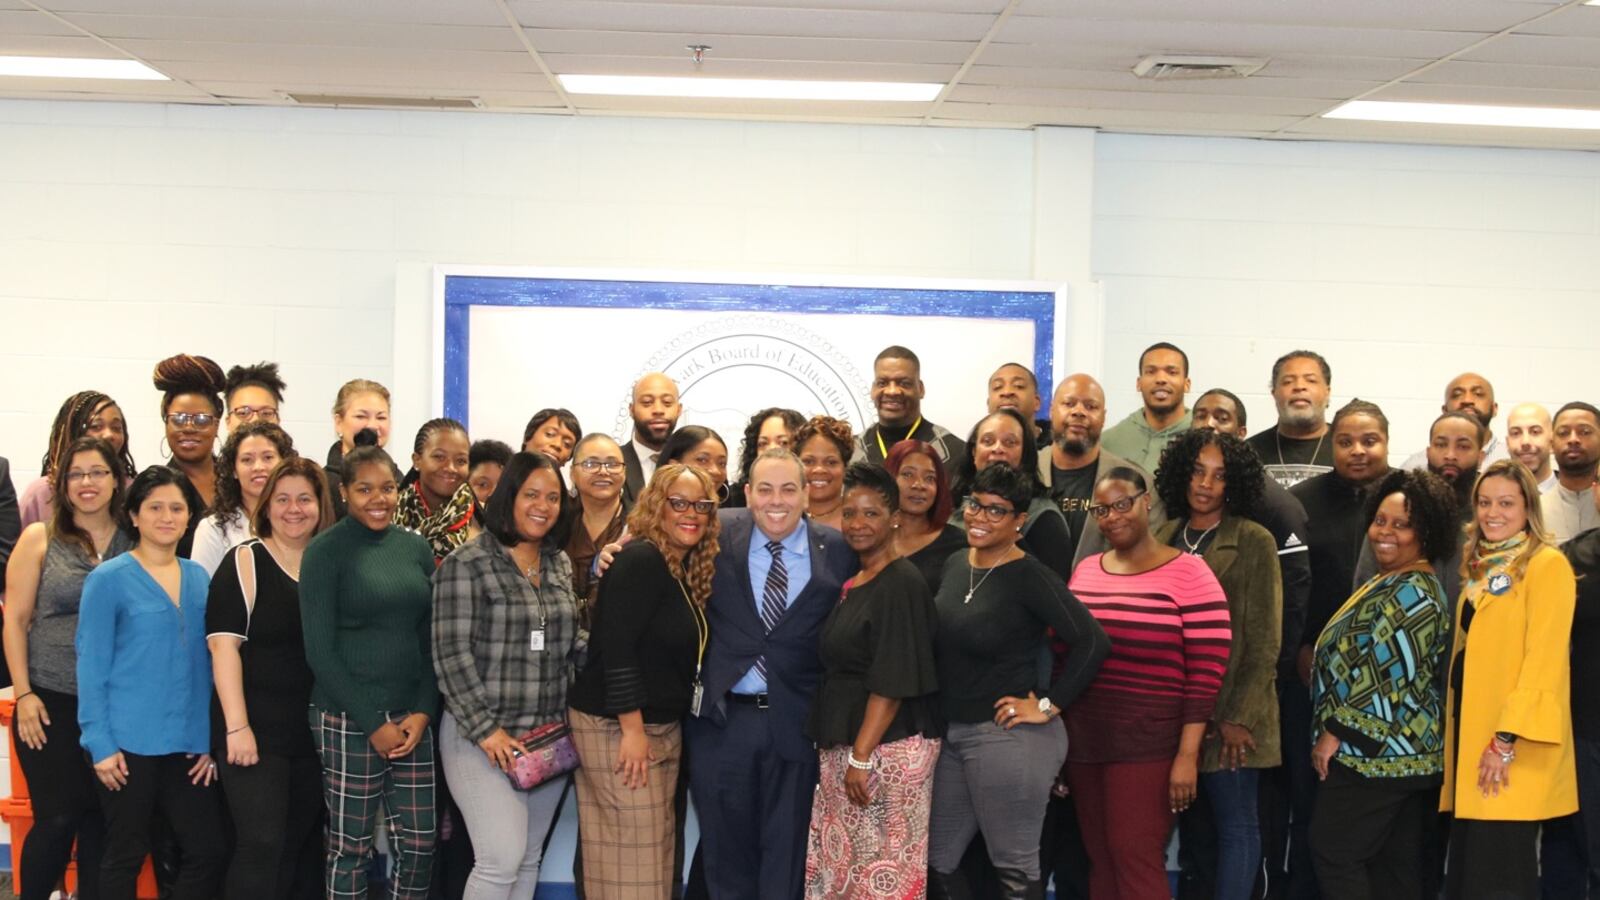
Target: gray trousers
point(998, 782)
point(508, 826)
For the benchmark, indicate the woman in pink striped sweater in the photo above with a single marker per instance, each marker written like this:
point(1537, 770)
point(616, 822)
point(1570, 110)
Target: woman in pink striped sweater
point(1135, 732)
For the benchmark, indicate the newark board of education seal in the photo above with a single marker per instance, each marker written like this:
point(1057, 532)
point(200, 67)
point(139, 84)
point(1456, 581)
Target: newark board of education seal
point(729, 368)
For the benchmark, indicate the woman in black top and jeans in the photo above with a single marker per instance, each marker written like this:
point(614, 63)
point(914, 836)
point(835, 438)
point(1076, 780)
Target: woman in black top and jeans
point(1002, 747)
point(271, 775)
point(645, 652)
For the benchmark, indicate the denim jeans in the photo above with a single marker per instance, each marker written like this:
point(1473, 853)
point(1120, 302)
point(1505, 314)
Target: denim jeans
point(1232, 794)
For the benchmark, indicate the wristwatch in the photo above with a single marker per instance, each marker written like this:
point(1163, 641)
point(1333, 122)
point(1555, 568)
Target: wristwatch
point(1046, 707)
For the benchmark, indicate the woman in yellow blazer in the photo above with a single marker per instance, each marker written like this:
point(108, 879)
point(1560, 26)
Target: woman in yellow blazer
point(1508, 752)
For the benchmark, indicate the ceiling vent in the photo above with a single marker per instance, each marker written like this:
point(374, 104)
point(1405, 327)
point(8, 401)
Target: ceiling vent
point(1173, 67)
point(381, 102)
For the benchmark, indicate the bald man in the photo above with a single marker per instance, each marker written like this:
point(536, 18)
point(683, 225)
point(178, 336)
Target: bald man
point(1529, 433)
point(1472, 393)
point(655, 411)
point(1076, 460)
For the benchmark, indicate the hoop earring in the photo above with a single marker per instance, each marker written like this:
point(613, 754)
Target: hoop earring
point(166, 449)
point(723, 493)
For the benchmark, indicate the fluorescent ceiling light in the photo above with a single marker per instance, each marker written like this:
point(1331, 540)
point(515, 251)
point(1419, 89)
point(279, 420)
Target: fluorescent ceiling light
point(1467, 114)
point(748, 88)
point(59, 67)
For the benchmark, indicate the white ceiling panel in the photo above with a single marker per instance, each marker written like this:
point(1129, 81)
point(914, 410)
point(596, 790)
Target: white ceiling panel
point(1230, 39)
point(299, 31)
point(1561, 78)
point(1540, 50)
point(834, 70)
point(441, 12)
point(289, 57)
point(1136, 100)
point(766, 20)
point(671, 46)
point(1053, 62)
point(1419, 15)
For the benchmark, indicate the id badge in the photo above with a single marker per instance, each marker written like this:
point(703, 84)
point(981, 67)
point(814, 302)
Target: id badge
point(695, 698)
point(536, 640)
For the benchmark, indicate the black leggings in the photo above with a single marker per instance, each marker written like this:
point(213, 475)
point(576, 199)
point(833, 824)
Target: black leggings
point(162, 782)
point(277, 813)
point(61, 785)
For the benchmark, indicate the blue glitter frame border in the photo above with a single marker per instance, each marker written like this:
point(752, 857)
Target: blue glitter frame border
point(462, 292)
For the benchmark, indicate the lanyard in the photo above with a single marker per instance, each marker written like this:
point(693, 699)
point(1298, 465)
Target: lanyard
point(702, 628)
point(885, 450)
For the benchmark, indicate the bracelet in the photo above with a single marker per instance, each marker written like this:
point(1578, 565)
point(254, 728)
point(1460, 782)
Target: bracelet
point(858, 764)
point(26, 694)
point(239, 729)
point(1506, 752)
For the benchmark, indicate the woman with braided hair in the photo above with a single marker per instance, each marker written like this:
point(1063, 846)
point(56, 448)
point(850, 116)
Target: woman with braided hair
point(435, 499)
point(84, 414)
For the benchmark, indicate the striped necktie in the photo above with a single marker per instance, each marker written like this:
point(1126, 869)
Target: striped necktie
point(774, 597)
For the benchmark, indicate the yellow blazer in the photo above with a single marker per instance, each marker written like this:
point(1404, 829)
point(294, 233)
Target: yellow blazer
point(1519, 679)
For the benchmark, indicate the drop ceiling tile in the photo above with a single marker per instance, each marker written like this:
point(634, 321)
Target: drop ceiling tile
point(300, 31)
point(1422, 15)
point(459, 12)
point(1255, 86)
point(75, 46)
point(836, 70)
point(1038, 40)
point(25, 21)
point(1489, 94)
point(289, 58)
point(373, 81)
point(710, 21)
point(1578, 21)
point(1463, 72)
point(1540, 50)
point(1132, 101)
point(671, 45)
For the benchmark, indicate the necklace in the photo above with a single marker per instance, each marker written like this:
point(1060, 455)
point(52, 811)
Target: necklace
point(1277, 438)
point(973, 588)
point(1194, 547)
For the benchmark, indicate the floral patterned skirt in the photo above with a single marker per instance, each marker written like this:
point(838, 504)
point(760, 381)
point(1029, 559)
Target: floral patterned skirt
point(879, 851)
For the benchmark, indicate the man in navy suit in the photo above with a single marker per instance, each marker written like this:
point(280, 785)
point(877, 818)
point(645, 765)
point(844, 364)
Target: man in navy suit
point(752, 770)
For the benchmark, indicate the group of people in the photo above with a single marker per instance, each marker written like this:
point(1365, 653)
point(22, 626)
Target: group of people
point(888, 664)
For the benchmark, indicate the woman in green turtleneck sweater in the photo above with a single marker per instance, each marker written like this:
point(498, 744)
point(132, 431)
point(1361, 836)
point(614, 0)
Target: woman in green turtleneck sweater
point(365, 600)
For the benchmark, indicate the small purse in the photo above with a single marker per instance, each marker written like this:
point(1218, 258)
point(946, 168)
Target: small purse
point(547, 753)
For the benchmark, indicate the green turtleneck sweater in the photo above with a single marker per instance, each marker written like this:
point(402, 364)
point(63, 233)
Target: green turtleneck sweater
point(366, 602)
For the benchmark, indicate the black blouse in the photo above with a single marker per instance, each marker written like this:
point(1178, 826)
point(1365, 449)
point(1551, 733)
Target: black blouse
point(277, 678)
point(930, 559)
point(878, 640)
point(642, 652)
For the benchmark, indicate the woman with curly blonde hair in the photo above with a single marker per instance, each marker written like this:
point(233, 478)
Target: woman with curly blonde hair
point(645, 652)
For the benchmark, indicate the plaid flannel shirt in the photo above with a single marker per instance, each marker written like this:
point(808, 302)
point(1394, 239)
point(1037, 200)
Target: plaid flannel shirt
point(484, 616)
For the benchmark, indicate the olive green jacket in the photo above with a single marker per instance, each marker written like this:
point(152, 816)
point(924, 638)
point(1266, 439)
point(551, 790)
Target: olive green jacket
point(1244, 557)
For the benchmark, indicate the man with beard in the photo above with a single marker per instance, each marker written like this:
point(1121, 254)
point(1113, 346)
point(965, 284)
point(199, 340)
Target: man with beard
point(655, 411)
point(1163, 380)
point(897, 393)
point(1569, 506)
point(1282, 515)
point(1529, 433)
point(1297, 447)
point(1471, 393)
point(1077, 460)
point(1014, 386)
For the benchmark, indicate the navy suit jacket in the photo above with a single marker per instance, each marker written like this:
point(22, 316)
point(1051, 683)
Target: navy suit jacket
point(791, 648)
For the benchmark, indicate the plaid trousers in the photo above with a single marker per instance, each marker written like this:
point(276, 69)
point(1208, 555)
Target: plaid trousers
point(356, 780)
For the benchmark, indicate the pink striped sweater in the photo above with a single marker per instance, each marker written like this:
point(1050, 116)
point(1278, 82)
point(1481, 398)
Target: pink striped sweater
point(1170, 635)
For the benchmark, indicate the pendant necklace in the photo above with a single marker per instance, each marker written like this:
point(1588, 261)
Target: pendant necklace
point(973, 588)
point(1194, 547)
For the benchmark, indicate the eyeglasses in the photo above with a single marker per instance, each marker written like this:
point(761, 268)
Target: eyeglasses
point(76, 476)
point(608, 466)
point(186, 420)
point(703, 507)
point(993, 512)
point(251, 413)
point(1101, 510)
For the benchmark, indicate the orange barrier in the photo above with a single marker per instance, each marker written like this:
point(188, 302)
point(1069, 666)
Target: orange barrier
point(17, 811)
